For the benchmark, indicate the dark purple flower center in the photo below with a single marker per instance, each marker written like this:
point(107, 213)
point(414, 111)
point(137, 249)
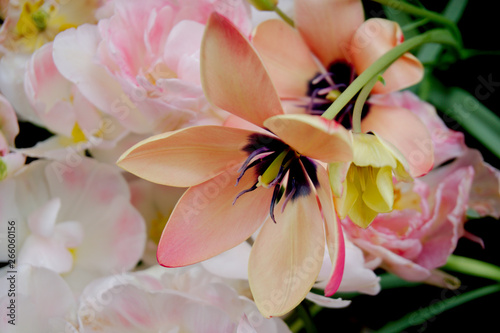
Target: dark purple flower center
point(325, 88)
point(275, 164)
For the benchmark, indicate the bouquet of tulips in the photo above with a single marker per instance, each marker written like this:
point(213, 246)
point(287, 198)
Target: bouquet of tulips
point(242, 166)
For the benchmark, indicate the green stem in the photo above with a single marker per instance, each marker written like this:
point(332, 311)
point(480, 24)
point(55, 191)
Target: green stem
point(472, 267)
point(413, 10)
point(285, 17)
point(360, 101)
point(415, 25)
point(440, 36)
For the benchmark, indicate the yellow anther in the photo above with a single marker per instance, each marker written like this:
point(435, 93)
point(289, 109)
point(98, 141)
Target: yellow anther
point(77, 134)
point(333, 95)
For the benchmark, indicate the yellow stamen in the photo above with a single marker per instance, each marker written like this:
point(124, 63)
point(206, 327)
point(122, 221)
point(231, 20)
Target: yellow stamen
point(77, 134)
point(333, 95)
point(33, 19)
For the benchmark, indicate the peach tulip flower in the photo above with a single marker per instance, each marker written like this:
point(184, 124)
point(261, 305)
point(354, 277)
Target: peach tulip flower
point(241, 180)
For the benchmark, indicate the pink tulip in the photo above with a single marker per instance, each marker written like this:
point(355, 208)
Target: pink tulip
point(141, 65)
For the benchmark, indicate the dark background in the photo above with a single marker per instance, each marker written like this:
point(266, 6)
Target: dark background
point(480, 30)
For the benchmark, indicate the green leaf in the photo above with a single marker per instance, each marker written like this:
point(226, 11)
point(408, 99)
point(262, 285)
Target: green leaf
point(473, 267)
point(422, 12)
point(453, 12)
point(467, 111)
point(422, 315)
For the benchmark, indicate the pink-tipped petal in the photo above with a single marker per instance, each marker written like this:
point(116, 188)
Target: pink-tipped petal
point(371, 41)
point(233, 76)
point(287, 256)
point(186, 157)
point(327, 26)
point(205, 222)
point(406, 132)
point(334, 235)
point(287, 57)
point(313, 136)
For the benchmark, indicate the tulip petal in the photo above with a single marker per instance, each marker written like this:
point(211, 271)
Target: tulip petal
point(74, 56)
point(205, 222)
point(345, 202)
point(232, 264)
point(313, 136)
point(186, 157)
point(287, 256)
point(374, 38)
point(334, 235)
point(337, 173)
point(406, 132)
point(9, 127)
point(361, 214)
point(43, 220)
point(233, 76)
point(327, 26)
point(370, 151)
point(287, 57)
point(379, 193)
point(327, 302)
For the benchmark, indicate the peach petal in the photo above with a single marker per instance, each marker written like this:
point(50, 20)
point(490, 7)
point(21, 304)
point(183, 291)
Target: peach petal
point(327, 26)
point(233, 76)
point(313, 136)
point(373, 39)
point(287, 256)
point(186, 157)
point(287, 57)
point(205, 222)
